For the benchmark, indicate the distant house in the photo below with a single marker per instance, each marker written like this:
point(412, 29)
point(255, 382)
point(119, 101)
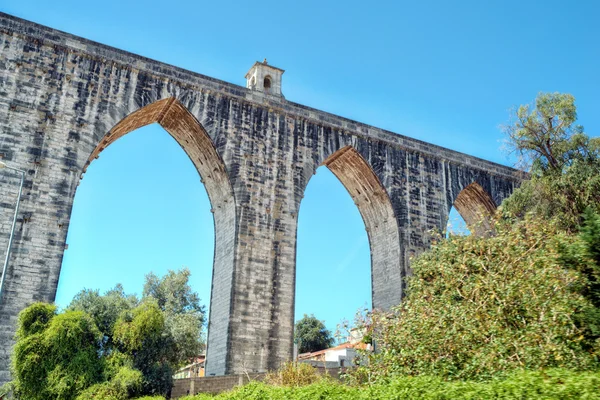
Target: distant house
point(193, 370)
point(343, 355)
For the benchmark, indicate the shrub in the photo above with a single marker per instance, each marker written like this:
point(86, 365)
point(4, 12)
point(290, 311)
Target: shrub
point(478, 307)
point(293, 374)
point(55, 356)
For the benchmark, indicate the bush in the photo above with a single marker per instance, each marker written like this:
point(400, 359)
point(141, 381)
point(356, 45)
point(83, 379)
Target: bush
point(478, 308)
point(560, 197)
point(55, 356)
point(551, 384)
point(293, 374)
point(150, 398)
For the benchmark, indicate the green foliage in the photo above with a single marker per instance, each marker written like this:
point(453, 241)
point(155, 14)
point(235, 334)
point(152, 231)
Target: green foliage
point(104, 309)
point(546, 136)
point(55, 356)
point(551, 384)
point(133, 352)
point(184, 315)
point(311, 334)
point(562, 198)
point(479, 307)
point(142, 326)
point(565, 163)
point(142, 334)
point(588, 318)
point(35, 319)
point(293, 374)
point(6, 390)
point(125, 384)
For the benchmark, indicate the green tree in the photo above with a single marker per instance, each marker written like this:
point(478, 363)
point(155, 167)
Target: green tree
point(154, 335)
point(56, 356)
point(104, 309)
point(184, 315)
point(109, 346)
point(546, 137)
point(565, 163)
point(311, 334)
point(141, 333)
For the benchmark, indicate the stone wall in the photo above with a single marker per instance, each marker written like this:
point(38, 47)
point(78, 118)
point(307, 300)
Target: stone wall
point(63, 99)
point(218, 384)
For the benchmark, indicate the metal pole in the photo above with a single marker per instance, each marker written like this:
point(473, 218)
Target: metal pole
point(12, 231)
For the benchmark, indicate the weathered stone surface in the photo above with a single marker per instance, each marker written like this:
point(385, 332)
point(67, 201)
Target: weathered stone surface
point(63, 99)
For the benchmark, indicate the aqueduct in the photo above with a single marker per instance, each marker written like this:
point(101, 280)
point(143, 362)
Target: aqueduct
point(63, 99)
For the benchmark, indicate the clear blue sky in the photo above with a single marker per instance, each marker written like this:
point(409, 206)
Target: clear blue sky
point(443, 72)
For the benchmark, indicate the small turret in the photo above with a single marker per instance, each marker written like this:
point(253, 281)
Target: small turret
point(265, 78)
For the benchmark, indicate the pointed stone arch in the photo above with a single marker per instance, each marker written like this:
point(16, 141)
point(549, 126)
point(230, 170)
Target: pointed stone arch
point(195, 141)
point(477, 208)
point(375, 207)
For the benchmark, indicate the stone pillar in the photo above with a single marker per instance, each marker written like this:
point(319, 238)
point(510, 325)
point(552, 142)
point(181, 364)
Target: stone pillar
point(261, 315)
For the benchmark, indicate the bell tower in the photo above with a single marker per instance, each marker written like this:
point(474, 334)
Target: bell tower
point(265, 78)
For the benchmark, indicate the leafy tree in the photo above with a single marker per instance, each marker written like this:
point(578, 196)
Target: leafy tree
point(104, 309)
point(111, 346)
point(173, 293)
point(311, 334)
point(565, 163)
point(142, 334)
point(546, 136)
point(56, 356)
point(184, 315)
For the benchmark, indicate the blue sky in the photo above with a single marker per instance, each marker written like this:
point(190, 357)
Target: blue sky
point(443, 72)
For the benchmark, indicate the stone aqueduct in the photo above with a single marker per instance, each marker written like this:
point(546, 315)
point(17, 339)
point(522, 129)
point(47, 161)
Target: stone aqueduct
point(64, 99)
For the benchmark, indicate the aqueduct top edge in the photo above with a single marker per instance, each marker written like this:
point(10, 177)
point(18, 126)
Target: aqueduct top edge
point(107, 53)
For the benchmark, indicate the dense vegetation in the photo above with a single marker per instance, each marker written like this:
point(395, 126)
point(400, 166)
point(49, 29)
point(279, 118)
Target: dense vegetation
point(552, 384)
point(112, 346)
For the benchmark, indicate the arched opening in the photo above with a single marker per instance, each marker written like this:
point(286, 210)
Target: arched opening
point(332, 256)
point(477, 207)
point(456, 224)
point(375, 209)
point(125, 223)
point(197, 144)
point(267, 84)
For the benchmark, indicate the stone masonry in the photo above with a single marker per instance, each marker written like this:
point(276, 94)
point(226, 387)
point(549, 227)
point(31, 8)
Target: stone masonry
point(63, 99)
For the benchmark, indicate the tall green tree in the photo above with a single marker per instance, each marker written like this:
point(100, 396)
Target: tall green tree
point(142, 335)
point(184, 315)
point(104, 309)
point(546, 137)
point(310, 334)
point(564, 162)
